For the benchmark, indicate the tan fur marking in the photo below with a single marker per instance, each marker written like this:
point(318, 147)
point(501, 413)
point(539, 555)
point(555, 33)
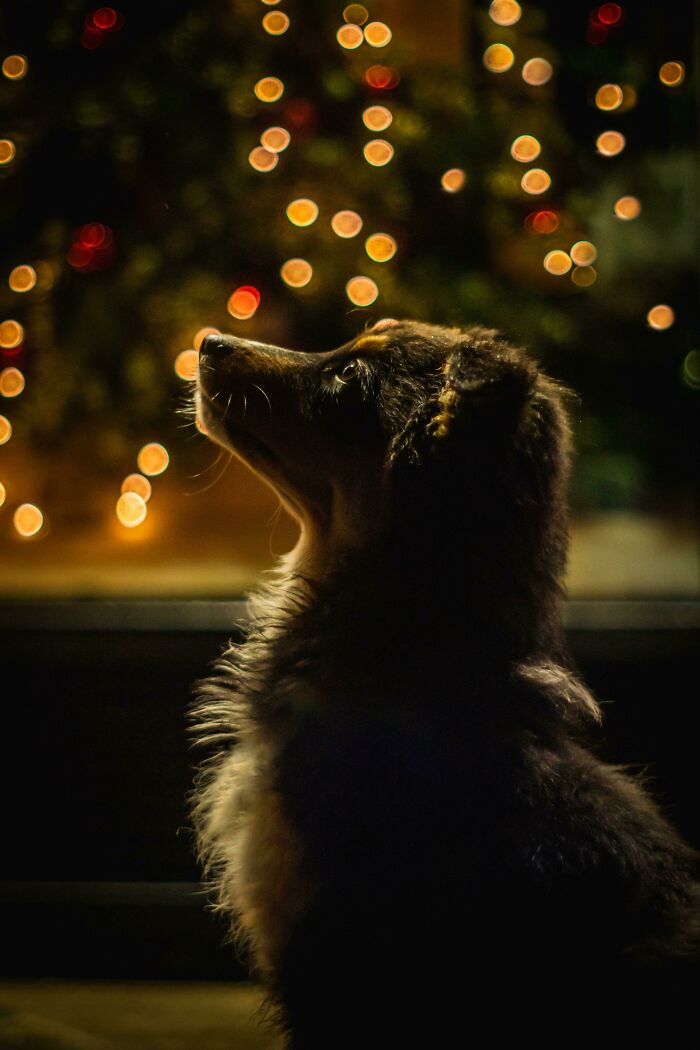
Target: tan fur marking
point(368, 342)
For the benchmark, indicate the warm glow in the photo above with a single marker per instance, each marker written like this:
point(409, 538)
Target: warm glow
point(11, 382)
point(498, 58)
point(270, 3)
point(153, 459)
point(5, 430)
point(275, 139)
point(542, 222)
point(201, 336)
point(453, 180)
point(275, 23)
point(11, 334)
point(27, 519)
point(536, 180)
point(525, 148)
point(350, 36)
point(302, 212)
point(381, 77)
point(296, 273)
point(672, 74)
point(356, 13)
point(627, 208)
point(557, 262)
point(243, 303)
point(537, 71)
point(3, 494)
point(346, 223)
point(262, 159)
point(138, 484)
point(362, 291)
point(15, 67)
point(661, 317)
point(187, 364)
point(583, 253)
point(609, 96)
point(131, 509)
point(22, 279)
point(378, 152)
point(377, 34)
point(584, 276)
point(505, 12)
point(610, 143)
point(7, 151)
point(377, 118)
point(269, 89)
point(380, 247)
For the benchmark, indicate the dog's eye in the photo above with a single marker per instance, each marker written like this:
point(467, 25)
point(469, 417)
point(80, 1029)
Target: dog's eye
point(349, 371)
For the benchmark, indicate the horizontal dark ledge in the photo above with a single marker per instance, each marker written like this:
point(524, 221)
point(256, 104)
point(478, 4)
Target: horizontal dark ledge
point(224, 616)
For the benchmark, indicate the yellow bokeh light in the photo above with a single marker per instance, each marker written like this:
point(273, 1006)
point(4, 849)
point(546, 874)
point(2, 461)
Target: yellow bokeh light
point(557, 262)
point(627, 208)
point(377, 34)
point(537, 71)
point(672, 74)
point(536, 180)
point(302, 211)
point(349, 36)
point(46, 275)
point(7, 151)
point(583, 253)
point(271, 3)
point(661, 317)
point(11, 382)
point(377, 118)
point(5, 430)
point(131, 509)
point(610, 143)
point(275, 139)
point(498, 58)
point(362, 291)
point(11, 334)
point(262, 159)
point(139, 484)
point(505, 12)
point(243, 303)
point(378, 152)
point(584, 276)
point(296, 273)
point(453, 180)
point(525, 149)
point(201, 335)
point(346, 223)
point(356, 14)
point(153, 459)
point(22, 279)
point(15, 67)
point(609, 96)
point(269, 89)
point(380, 247)
point(27, 519)
point(3, 494)
point(275, 23)
point(187, 364)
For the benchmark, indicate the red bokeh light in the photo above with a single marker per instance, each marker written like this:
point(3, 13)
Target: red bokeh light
point(609, 14)
point(596, 33)
point(92, 37)
point(249, 289)
point(381, 77)
point(92, 247)
point(105, 18)
point(545, 221)
point(299, 112)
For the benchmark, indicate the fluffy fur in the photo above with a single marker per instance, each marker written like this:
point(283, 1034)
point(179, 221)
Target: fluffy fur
point(400, 811)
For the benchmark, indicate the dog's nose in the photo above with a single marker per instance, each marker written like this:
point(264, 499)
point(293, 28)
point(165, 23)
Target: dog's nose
point(213, 345)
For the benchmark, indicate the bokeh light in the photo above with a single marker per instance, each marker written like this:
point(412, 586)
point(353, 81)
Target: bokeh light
point(296, 273)
point(139, 484)
point(105, 18)
point(377, 118)
point(275, 23)
point(542, 222)
point(380, 247)
point(269, 89)
point(627, 208)
point(262, 159)
point(453, 180)
point(271, 3)
point(537, 71)
point(690, 371)
point(583, 253)
point(505, 12)
point(12, 382)
point(672, 74)
point(14, 67)
point(362, 291)
point(525, 149)
point(356, 13)
point(153, 459)
point(377, 34)
point(557, 262)
point(3, 494)
point(584, 276)
point(609, 96)
point(7, 151)
point(243, 303)
point(536, 180)
point(201, 335)
point(378, 152)
point(660, 317)
point(22, 279)
point(275, 140)
point(187, 364)
point(346, 223)
point(498, 58)
point(610, 143)
point(381, 77)
point(11, 334)
point(5, 430)
point(609, 14)
point(350, 36)
point(27, 519)
point(131, 509)
point(302, 211)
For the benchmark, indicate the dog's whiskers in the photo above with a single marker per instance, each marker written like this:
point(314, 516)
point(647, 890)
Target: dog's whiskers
point(264, 395)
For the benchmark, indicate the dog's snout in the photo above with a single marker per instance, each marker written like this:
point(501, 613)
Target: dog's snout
point(213, 345)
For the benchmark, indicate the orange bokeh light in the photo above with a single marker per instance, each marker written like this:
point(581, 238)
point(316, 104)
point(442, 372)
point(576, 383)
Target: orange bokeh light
point(377, 118)
point(661, 317)
point(139, 484)
point(276, 139)
point(377, 34)
point(27, 519)
point(609, 97)
point(627, 208)
point(22, 279)
point(498, 58)
point(15, 67)
point(7, 151)
point(525, 149)
point(5, 430)
point(583, 253)
point(537, 71)
point(269, 89)
point(672, 74)
point(610, 143)
point(378, 152)
point(453, 180)
point(153, 459)
point(296, 273)
point(12, 382)
point(262, 159)
point(187, 364)
point(380, 247)
point(505, 12)
point(557, 262)
point(243, 303)
point(131, 509)
point(11, 334)
point(275, 23)
point(535, 181)
point(346, 223)
point(362, 291)
point(350, 36)
point(202, 334)
point(302, 211)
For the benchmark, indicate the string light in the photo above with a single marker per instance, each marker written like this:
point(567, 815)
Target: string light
point(377, 34)
point(535, 181)
point(275, 23)
point(350, 36)
point(346, 223)
point(269, 89)
point(11, 334)
point(498, 58)
point(537, 71)
point(296, 273)
point(262, 159)
point(610, 143)
point(201, 335)
point(660, 317)
point(302, 212)
point(275, 140)
point(609, 96)
point(7, 151)
point(5, 430)
point(377, 118)
point(583, 253)
point(243, 303)
point(153, 459)
point(11, 382)
point(27, 519)
point(378, 152)
point(627, 208)
point(380, 247)
point(187, 364)
point(672, 74)
point(356, 13)
point(453, 180)
point(557, 262)
point(15, 67)
point(505, 12)
point(131, 509)
point(584, 276)
point(525, 149)
point(22, 279)
point(362, 291)
point(139, 484)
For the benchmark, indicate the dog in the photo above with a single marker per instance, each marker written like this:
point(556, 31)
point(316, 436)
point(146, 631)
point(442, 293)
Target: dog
point(401, 812)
